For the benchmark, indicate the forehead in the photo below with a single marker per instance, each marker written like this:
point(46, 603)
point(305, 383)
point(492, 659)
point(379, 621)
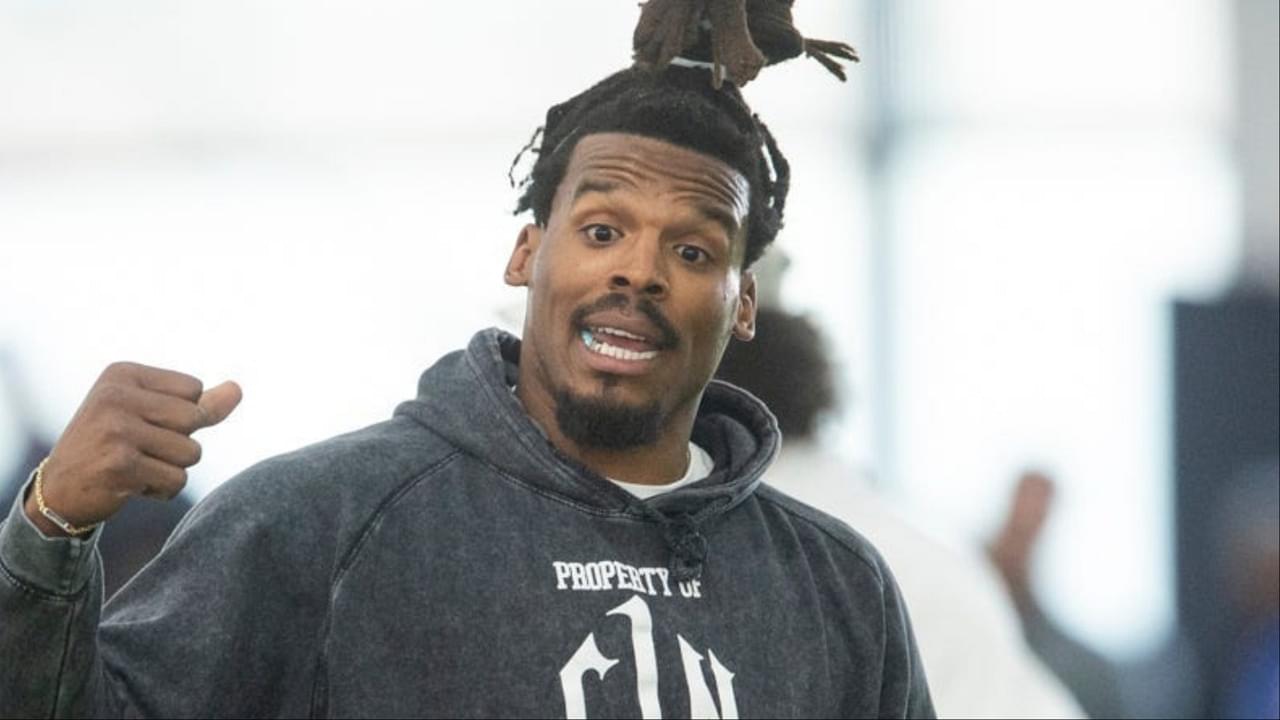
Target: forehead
point(638, 161)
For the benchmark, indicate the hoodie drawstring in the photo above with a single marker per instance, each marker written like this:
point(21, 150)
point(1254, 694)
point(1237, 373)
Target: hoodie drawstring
point(688, 548)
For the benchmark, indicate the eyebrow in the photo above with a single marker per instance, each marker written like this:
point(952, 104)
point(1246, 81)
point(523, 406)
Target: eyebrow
point(708, 211)
point(595, 185)
point(719, 216)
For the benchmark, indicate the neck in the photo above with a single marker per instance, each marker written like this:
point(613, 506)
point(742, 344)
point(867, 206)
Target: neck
point(659, 463)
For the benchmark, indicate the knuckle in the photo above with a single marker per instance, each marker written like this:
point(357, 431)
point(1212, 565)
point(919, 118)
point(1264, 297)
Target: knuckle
point(120, 368)
point(109, 393)
point(187, 386)
point(115, 428)
point(168, 416)
point(122, 458)
point(164, 484)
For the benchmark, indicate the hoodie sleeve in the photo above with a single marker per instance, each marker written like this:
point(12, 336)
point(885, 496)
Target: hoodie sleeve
point(50, 599)
point(227, 620)
point(904, 692)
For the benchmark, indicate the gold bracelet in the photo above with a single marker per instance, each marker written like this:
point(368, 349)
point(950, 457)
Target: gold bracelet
point(48, 512)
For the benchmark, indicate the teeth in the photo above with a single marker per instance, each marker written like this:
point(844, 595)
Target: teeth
point(619, 333)
point(612, 351)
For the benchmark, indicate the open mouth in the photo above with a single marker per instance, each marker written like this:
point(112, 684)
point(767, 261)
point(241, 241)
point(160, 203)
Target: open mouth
point(618, 344)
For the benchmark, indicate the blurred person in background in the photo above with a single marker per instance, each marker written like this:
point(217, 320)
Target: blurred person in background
point(569, 523)
point(1165, 683)
point(978, 664)
point(137, 532)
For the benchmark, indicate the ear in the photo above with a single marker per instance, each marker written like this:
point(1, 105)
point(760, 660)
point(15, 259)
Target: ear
point(520, 266)
point(744, 325)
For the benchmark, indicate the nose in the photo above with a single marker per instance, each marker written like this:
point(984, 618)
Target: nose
point(642, 270)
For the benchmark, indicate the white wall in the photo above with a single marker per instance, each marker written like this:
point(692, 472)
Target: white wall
point(1257, 98)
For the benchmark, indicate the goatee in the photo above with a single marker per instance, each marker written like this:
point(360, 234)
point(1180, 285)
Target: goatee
point(604, 425)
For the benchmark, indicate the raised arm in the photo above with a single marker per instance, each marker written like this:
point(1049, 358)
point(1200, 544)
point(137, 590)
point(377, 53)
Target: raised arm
point(131, 436)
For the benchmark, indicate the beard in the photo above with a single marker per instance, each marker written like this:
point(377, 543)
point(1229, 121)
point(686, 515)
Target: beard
point(604, 425)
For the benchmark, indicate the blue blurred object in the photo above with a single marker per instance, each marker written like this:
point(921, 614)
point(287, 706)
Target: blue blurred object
point(1257, 695)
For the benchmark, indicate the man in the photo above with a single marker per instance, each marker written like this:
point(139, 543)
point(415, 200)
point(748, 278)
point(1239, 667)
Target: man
point(569, 525)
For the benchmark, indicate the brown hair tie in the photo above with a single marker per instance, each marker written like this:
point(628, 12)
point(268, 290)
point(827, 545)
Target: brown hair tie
point(736, 37)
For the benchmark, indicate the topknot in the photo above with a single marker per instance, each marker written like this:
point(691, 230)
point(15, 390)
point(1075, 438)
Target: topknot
point(736, 37)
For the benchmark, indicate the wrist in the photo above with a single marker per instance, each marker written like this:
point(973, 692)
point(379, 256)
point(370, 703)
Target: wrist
point(42, 523)
point(47, 514)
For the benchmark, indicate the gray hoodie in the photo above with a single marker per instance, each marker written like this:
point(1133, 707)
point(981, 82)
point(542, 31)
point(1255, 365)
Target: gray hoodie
point(450, 562)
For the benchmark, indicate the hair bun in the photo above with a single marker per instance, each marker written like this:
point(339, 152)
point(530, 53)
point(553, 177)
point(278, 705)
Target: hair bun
point(735, 37)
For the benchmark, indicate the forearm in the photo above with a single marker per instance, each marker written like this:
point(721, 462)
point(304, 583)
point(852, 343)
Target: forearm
point(50, 602)
point(1092, 678)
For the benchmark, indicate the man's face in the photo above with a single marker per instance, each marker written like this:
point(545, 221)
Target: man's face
point(635, 284)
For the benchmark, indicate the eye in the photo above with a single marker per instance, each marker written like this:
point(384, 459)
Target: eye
point(692, 253)
point(600, 234)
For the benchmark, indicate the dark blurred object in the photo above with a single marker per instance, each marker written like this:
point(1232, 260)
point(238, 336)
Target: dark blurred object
point(1248, 539)
point(786, 366)
point(1255, 692)
point(134, 535)
point(1227, 418)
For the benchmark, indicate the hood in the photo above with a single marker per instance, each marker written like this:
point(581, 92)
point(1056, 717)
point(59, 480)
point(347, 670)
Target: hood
point(466, 398)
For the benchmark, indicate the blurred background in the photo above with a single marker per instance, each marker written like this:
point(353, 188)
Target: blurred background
point(1037, 235)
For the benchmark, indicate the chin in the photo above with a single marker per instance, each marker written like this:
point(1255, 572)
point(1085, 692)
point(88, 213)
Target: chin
point(603, 420)
point(614, 390)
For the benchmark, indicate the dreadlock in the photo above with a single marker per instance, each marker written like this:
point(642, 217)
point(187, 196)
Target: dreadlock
point(676, 103)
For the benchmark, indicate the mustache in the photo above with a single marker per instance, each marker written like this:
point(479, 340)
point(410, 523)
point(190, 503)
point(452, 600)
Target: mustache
point(667, 336)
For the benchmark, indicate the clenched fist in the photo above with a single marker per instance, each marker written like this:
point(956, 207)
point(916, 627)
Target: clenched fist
point(131, 436)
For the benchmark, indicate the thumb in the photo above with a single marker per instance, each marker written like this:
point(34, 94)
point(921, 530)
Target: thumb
point(217, 402)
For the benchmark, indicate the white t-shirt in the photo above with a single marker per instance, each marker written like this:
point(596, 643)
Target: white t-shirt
point(700, 466)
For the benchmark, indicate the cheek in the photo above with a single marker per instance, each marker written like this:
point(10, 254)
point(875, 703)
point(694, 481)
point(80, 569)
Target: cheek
point(549, 273)
point(715, 320)
point(729, 299)
point(565, 271)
